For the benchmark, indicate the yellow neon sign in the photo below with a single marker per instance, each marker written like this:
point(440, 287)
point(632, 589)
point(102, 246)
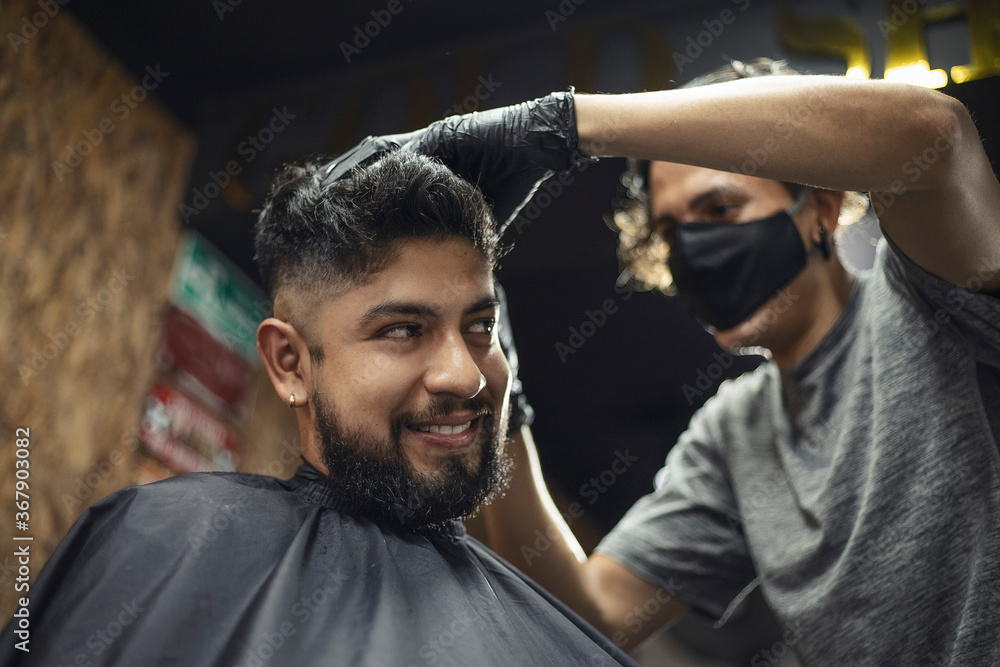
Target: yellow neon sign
point(904, 27)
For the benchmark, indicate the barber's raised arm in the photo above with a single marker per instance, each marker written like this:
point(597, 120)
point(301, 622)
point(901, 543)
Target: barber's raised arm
point(916, 150)
point(526, 529)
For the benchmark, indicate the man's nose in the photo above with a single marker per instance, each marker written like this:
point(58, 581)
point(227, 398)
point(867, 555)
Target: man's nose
point(453, 370)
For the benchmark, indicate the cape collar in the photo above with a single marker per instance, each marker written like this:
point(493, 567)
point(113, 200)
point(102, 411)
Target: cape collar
point(316, 487)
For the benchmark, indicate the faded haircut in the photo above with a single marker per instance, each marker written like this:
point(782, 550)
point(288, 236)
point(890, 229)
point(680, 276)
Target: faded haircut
point(641, 252)
point(323, 239)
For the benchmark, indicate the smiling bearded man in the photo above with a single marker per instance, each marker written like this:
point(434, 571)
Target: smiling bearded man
point(385, 322)
point(384, 342)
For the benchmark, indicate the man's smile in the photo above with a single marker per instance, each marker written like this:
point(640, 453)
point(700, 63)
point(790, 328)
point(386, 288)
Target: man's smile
point(452, 432)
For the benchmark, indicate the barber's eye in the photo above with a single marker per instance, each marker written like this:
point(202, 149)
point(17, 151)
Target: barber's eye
point(723, 211)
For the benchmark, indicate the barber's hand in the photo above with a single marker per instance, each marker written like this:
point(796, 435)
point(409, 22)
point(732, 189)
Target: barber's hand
point(520, 411)
point(505, 152)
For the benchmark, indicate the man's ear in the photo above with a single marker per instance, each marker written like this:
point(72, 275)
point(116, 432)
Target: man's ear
point(828, 206)
point(286, 357)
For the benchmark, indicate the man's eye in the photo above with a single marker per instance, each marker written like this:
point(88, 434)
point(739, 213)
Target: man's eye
point(402, 331)
point(722, 211)
point(483, 326)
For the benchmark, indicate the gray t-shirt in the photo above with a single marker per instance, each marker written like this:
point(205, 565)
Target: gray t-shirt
point(860, 490)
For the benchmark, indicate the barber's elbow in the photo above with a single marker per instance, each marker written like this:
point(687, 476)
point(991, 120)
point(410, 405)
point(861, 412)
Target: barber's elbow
point(941, 127)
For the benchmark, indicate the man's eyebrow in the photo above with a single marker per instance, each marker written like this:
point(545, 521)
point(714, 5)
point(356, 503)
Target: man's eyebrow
point(489, 303)
point(397, 308)
point(721, 192)
point(393, 308)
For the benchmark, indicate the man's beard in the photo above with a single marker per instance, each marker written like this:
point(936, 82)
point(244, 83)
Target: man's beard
point(376, 481)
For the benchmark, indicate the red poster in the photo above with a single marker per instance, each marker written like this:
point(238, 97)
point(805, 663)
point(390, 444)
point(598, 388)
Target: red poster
point(205, 365)
point(183, 435)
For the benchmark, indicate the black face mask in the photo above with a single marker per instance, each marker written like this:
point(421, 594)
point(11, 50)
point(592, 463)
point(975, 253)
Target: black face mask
point(725, 272)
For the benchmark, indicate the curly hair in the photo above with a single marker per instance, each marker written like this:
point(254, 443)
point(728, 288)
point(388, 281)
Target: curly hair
point(643, 253)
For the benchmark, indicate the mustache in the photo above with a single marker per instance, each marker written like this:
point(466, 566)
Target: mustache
point(441, 408)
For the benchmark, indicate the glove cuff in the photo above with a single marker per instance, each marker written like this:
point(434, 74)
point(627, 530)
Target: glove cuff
point(552, 126)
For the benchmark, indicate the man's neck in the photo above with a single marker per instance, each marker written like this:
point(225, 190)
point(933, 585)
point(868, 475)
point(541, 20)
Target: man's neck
point(821, 320)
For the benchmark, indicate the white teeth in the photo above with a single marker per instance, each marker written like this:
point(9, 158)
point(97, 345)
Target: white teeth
point(444, 430)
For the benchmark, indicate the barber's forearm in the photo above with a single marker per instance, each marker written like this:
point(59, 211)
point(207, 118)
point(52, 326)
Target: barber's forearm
point(526, 529)
point(831, 132)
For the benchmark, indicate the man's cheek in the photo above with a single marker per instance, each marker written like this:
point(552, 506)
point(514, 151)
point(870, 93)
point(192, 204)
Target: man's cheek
point(374, 366)
point(496, 370)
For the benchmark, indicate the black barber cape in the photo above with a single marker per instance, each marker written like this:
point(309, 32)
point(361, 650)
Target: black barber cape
point(244, 570)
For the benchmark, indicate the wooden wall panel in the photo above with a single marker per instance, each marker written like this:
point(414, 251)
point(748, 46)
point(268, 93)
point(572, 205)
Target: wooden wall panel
point(85, 255)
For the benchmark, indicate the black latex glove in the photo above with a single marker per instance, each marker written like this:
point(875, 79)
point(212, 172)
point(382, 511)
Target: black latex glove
point(520, 411)
point(505, 152)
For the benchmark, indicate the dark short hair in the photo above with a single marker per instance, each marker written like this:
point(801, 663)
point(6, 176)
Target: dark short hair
point(319, 237)
point(641, 252)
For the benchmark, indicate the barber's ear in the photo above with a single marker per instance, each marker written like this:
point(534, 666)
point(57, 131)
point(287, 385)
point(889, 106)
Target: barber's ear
point(286, 358)
point(828, 205)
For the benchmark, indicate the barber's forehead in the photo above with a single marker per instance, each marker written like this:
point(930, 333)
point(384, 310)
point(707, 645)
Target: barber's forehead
point(685, 182)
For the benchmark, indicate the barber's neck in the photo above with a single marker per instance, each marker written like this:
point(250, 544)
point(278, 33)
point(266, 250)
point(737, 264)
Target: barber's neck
point(824, 297)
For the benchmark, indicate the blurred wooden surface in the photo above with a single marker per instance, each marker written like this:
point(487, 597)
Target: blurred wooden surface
point(85, 256)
